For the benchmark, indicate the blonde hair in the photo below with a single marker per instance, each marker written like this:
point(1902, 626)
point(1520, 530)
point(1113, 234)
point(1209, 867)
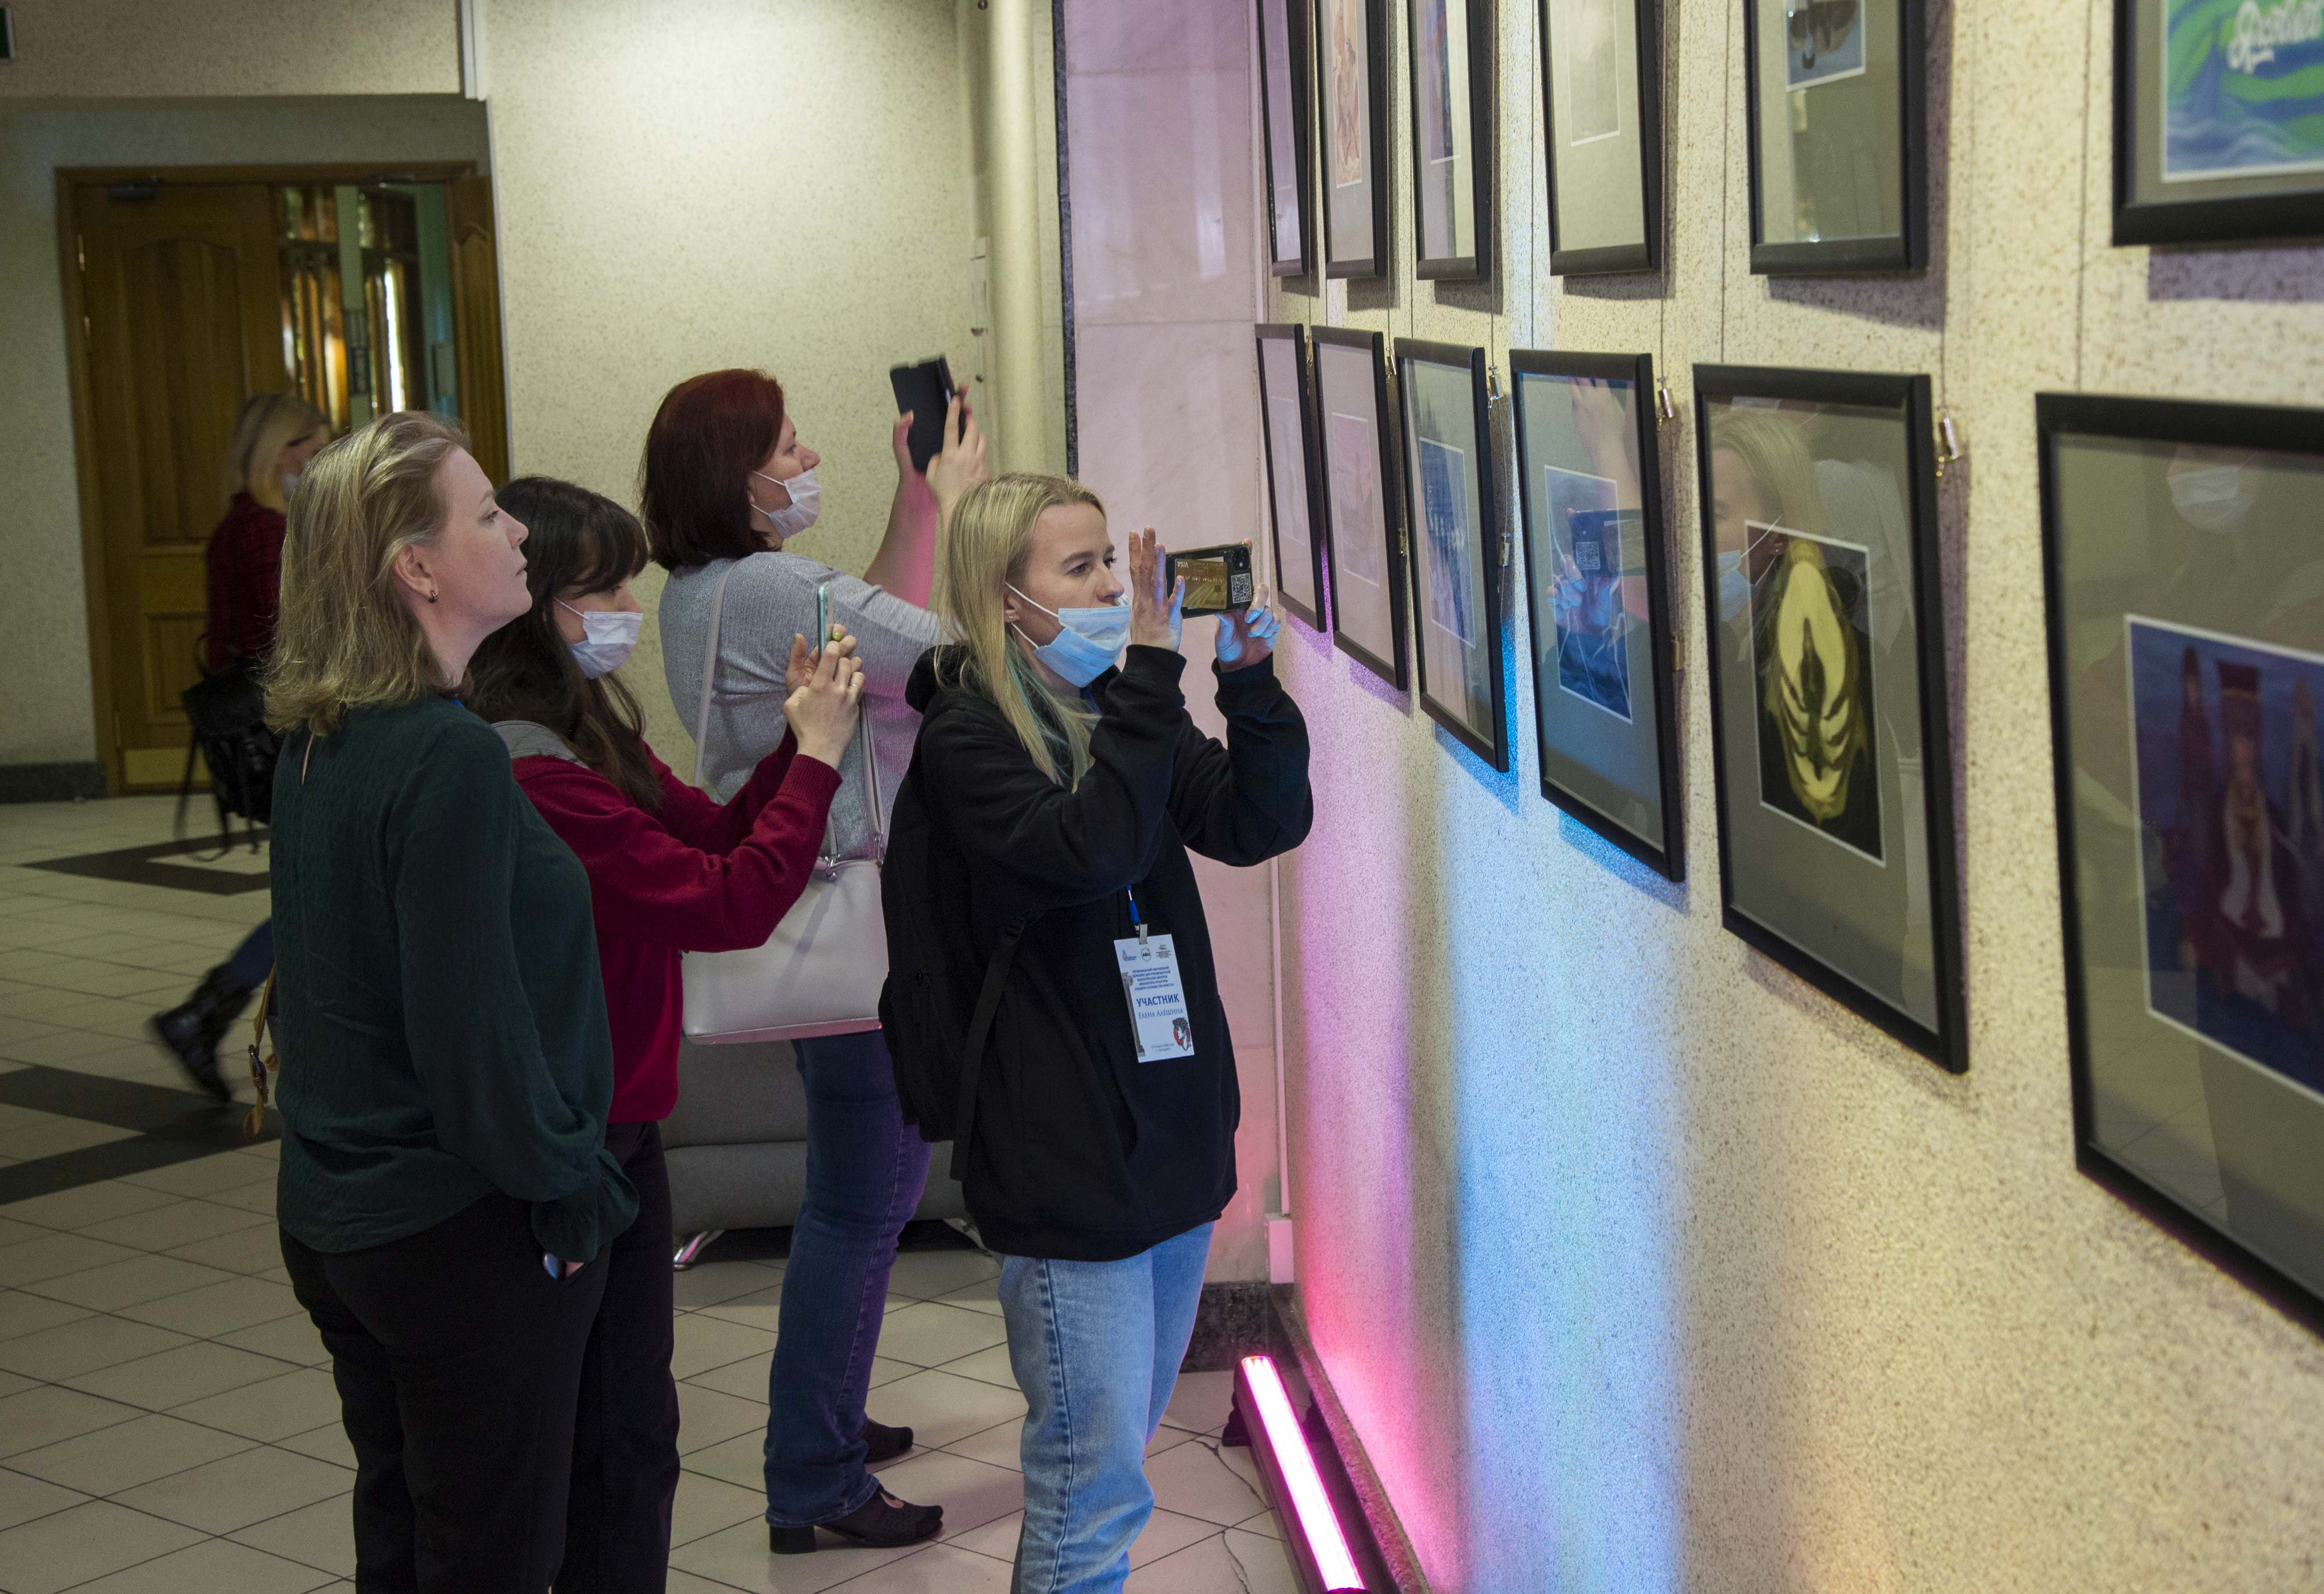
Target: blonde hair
point(1772, 445)
point(344, 636)
point(987, 546)
point(268, 424)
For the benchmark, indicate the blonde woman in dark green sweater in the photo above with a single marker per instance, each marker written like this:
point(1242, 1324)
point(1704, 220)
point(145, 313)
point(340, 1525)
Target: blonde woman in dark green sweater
point(445, 1078)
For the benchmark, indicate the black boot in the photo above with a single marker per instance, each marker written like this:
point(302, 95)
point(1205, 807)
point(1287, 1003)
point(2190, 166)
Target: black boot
point(193, 1028)
point(883, 1443)
point(883, 1522)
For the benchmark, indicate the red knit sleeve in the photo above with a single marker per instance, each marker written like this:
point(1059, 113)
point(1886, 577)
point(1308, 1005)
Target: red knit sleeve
point(648, 886)
point(689, 815)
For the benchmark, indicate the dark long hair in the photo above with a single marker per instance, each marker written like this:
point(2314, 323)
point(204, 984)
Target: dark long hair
point(578, 542)
point(711, 432)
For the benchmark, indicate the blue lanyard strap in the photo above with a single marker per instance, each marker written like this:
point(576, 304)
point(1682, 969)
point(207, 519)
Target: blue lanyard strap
point(1137, 918)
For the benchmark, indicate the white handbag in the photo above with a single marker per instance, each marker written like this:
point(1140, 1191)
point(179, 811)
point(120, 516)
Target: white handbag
point(822, 972)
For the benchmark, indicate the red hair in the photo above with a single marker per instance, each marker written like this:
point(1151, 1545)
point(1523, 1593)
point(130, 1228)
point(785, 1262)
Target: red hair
point(711, 432)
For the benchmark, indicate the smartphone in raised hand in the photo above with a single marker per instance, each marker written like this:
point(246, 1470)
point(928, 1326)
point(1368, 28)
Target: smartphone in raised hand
point(925, 390)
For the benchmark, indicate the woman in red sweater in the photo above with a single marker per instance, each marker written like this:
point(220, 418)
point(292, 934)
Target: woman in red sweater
point(670, 871)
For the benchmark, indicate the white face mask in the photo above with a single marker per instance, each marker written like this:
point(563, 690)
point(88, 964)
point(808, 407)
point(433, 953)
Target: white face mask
point(2212, 497)
point(608, 637)
point(806, 503)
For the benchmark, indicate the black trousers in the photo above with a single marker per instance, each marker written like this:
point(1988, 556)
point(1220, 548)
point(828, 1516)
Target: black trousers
point(458, 1363)
point(625, 1444)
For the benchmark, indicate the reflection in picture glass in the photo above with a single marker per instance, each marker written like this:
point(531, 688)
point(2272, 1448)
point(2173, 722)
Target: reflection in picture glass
point(1812, 658)
point(1590, 620)
point(1824, 41)
point(1286, 178)
point(1346, 64)
point(2230, 794)
point(1589, 89)
point(1362, 543)
point(1441, 42)
point(1287, 461)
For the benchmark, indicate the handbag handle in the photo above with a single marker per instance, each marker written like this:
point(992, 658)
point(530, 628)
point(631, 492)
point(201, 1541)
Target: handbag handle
point(863, 723)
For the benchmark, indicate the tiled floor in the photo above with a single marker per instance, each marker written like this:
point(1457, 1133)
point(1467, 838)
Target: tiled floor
point(167, 1420)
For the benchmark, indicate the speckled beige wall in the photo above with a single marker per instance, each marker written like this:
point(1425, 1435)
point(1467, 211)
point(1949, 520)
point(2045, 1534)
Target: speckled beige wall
point(775, 186)
point(137, 48)
point(1637, 1264)
point(46, 712)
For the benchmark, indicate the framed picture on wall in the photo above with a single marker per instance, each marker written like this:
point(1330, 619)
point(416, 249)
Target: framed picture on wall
point(1601, 84)
point(1283, 97)
point(1451, 505)
point(2218, 121)
point(1289, 431)
point(1836, 94)
point(1351, 108)
point(1596, 581)
point(1827, 673)
point(1355, 461)
point(2185, 598)
point(1452, 60)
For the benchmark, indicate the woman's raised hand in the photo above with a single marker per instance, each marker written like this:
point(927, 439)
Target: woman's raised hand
point(1153, 603)
point(960, 464)
point(1248, 636)
point(824, 703)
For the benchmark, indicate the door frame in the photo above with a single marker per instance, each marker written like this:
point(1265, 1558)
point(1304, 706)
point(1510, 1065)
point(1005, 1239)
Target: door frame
point(79, 379)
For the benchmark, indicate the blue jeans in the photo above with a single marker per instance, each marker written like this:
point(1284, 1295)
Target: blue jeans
point(1095, 1347)
point(251, 960)
point(865, 1169)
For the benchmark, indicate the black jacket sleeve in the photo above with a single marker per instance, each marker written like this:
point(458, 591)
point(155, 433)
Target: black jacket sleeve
point(1062, 848)
point(1248, 801)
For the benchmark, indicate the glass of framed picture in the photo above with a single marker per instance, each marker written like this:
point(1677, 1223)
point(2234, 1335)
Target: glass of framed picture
point(1601, 82)
point(1360, 530)
point(2186, 625)
point(1352, 104)
point(1827, 676)
point(1283, 96)
point(1838, 108)
point(1590, 497)
point(2218, 120)
point(1288, 430)
point(1452, 58)
point(1456, 542)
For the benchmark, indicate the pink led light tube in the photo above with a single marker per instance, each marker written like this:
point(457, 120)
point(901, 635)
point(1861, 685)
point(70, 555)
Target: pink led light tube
point(1311, 1508)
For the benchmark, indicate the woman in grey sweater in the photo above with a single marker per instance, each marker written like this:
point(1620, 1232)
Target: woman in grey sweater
point(727, 485)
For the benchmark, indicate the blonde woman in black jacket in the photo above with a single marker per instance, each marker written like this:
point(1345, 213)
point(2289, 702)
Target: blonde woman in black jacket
point(1050, 805)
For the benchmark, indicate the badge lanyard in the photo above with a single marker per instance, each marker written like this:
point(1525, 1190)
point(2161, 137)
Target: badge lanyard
point(1161, 1020)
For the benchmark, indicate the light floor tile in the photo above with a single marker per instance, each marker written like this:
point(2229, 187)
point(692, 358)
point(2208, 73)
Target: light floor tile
point(53, 1255)
point(762, 1309)
point(707, 1506)
point(253, 1250)
point(1001, 1445)
point(24, 1497)
point(87, 1541)
point(322, 1535)
point(287, 1338)
point(86, 1205)
point(927, 1276)
point(745, 1379)
point(710, 1283)
point(180, 1223)
point(239, 1490)
point(174, 1378)
point(219, 1308)
point(983, 1297)
point(927, 1334)
point(327, 1442)
point(258, 1198)
point(740, 1460)
point(46, 1414)
point(121, 1457)
point(1191, 1480)
point(217, 1567)
point(11, 1231)
point(79, 1348)
point(986, 1367)
point(706, 1342)
point(738, 1557)
point(707, 1416)
point(970, 1493)
point(130, 1283)
point(943, 1570)
point(1244, 1562)
point(202, 1175)
point(270, 1409)
point(1200, 1403)
point(22, 1313)
point(940, 1408)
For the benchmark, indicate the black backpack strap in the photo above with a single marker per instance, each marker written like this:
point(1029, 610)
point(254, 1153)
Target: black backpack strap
point(972, 1062)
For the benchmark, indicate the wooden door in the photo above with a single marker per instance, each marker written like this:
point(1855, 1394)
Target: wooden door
point(183, 301)
point(476, 322)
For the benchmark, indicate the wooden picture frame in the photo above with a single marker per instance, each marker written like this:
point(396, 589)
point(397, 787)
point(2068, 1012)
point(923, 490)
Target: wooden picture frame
point(1606, 723)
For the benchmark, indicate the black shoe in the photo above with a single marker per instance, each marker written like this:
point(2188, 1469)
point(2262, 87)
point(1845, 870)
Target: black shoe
point(193, 1028)
point(883, 1443)
point(883, 1522)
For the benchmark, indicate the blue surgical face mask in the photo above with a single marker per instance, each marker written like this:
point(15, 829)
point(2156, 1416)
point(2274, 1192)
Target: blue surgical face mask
point(1091, 640)
point(608, 636)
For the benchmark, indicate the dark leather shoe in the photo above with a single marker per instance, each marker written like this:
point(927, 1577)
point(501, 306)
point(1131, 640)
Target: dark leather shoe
point(193, 1028)
point(883, 1443)
point(883, 1522)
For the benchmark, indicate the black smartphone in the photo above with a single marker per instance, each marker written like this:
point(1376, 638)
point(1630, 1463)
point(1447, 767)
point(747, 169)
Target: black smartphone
point(1218, 579)
point(925, 390)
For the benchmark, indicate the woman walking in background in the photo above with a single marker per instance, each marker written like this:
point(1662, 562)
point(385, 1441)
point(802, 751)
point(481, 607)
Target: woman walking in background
point(728, 485)
point(447, 1065)
point(670, 871)
point(274, 437)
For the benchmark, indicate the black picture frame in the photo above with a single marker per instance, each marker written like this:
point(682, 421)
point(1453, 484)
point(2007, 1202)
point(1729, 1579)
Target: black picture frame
point(1646, 255)
point(2176, 423)
point(1479, 15)
point(1904, 250)
point(1373, 150)
point(2259, 214)
point(1946, 1042)
point(1394, 553)
point(1290, 19)
point(1488, 544)
point(1296, 334)
point(1667, 859)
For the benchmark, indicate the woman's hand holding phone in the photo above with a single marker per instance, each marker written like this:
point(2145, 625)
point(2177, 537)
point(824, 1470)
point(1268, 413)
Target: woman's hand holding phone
point(1248, 636)
point(1152, 604)
point(960, 464)
point(826, 694)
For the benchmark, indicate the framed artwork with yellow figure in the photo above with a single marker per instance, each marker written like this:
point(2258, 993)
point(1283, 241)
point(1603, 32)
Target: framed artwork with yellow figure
point(1827, 670)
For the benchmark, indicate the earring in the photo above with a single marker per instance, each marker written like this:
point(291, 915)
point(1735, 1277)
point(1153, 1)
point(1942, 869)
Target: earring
point(432, 597)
